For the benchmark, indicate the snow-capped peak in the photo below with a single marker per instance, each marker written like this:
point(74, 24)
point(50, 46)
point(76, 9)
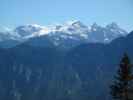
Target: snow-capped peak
point(75, 23)
point(27, 30)
point(95, 27)
point(31, 30)
point(113, 27)
point(69, 30)
point(74, 27)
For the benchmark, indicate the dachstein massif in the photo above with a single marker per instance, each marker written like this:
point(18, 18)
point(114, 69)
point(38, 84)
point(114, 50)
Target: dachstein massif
point(68, 61)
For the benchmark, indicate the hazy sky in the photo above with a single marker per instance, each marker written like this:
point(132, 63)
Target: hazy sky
point(19, 12)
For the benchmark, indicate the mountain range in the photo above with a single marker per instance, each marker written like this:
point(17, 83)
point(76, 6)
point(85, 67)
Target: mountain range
point(62, 63)
point(65, 35)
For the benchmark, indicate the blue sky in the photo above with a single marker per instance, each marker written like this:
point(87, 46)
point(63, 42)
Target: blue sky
point(19, 12)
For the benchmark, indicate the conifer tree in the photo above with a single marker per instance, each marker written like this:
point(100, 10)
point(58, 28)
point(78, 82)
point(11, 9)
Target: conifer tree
point(122, 85)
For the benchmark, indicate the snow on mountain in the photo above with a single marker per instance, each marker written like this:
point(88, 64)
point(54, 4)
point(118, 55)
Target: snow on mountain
point(75, 27)
point(105, 34)
point(113, 27)
point(69, 31)
point(29, 31)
